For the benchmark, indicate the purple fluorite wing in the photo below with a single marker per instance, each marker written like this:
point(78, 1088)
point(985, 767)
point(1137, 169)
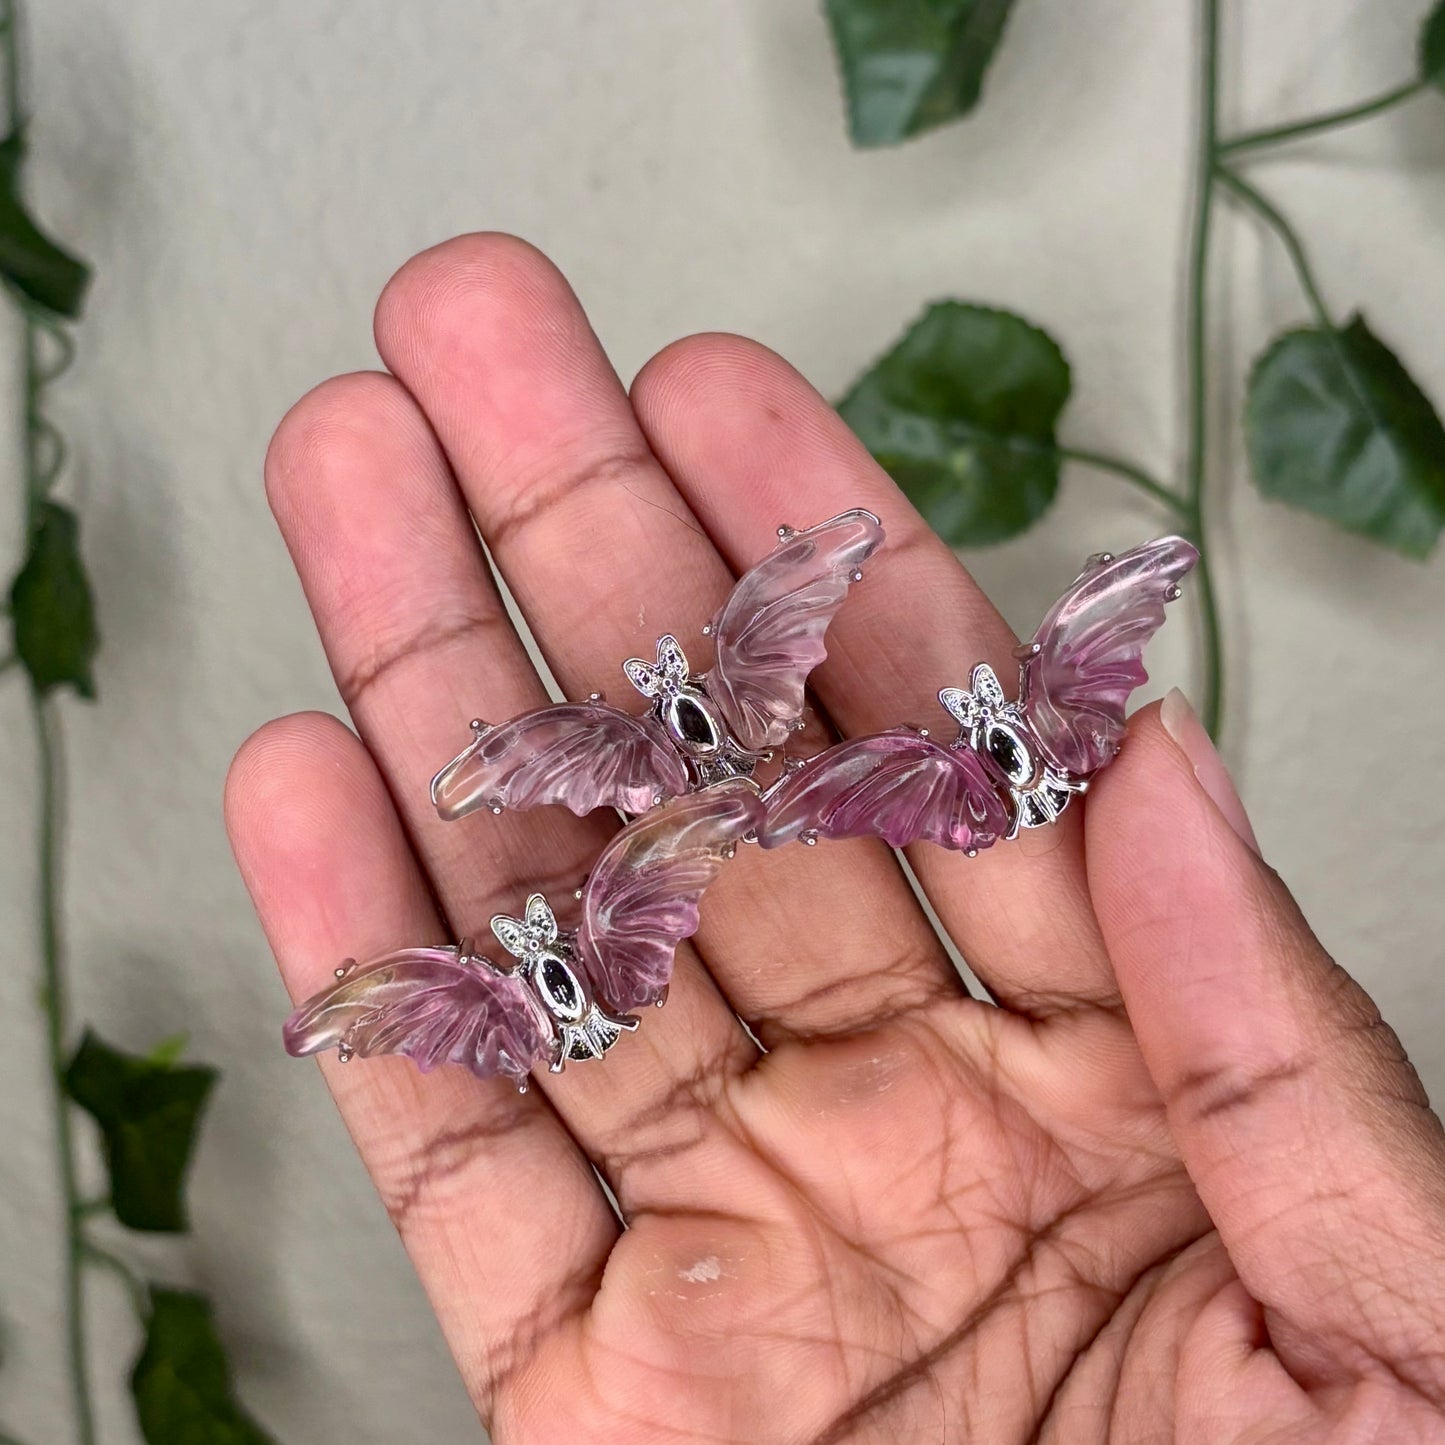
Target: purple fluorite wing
point(1089, 652)
point(583, 755)
point(432, 1006)
point(642, 896)
point(897, 786)
point(769, 633)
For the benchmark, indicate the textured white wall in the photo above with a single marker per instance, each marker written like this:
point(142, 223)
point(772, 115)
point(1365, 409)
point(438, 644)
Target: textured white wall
point(246, 173)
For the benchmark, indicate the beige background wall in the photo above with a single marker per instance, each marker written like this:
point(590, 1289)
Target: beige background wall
point(246, 173)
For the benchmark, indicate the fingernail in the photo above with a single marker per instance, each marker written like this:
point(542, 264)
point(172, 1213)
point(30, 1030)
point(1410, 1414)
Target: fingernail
point(1182, 724)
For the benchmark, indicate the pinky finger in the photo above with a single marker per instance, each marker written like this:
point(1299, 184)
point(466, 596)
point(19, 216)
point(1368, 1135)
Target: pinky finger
point(497, 1207)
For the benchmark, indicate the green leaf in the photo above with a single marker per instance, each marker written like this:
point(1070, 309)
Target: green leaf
point(148, 1112)
point(1432, 48)
point(961, 413)
point(182, 1380)
point(911, 65)
point(1335, 425)
point(52, 606)
point(51, 603)
point(29, 259)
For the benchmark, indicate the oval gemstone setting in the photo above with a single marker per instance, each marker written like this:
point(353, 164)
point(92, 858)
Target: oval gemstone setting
point(692, 723)
point(559, 988)
point(1009, 753)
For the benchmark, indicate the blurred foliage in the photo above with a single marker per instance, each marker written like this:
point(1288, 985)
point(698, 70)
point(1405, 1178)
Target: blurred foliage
point(911, 65)
point(962, 412)
point(1334, 424)
point(52, 607)
point(1432, 48)
point(34, 264)
point(182, 1380)
point(148, 1110)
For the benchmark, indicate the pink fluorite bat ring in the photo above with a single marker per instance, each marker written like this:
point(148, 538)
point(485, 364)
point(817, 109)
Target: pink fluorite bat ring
point(700, 728)
point(559, 994)
point(685, 770)
point(1014, 764)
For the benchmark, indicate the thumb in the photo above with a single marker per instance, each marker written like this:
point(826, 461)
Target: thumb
point(1293, 1106)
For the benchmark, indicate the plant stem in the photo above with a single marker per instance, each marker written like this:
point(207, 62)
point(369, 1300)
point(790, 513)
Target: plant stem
point(1270, 214)
point(1315, 124)
point(54, 1003)
point(43, 459)
point(1197, 360)
point(1135, 476)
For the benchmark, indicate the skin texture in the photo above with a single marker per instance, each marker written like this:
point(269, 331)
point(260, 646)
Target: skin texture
point(1180, 1184)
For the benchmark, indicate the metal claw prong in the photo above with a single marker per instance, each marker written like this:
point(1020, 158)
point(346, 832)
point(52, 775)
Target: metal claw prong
point(347, 964)
point(1026, 650)
point(786, 533)
point(1173, 592)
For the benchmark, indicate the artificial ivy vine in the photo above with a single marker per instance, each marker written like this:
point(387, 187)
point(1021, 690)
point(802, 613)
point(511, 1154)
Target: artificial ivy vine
point(147, 1109)
point(964, 409)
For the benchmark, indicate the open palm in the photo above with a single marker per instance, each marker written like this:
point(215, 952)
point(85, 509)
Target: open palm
point(908, 1215)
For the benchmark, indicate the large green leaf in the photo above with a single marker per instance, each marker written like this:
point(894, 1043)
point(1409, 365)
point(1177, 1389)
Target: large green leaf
point(148, 1110)
point(1432, 47)
point(1337, 426)
point(911, 65)
point(182, 1380)
point(29, 259)
point(962, 413)
point(55, 633)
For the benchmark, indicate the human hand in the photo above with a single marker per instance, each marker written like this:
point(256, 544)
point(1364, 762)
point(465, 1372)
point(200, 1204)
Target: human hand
point(1181, 1184)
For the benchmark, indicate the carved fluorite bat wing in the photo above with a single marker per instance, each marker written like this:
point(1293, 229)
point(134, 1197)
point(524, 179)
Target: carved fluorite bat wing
point(898, 786)
point(1087, 656)
point(769, 633)
point(432, 1005)
point(583, 755)
point(642, 897)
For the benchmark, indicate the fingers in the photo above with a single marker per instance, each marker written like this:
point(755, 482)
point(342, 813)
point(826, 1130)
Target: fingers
point(603, 556)
point(750, 443)
point(418, 638)
point(1302, 1124)
point(498, 1209)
